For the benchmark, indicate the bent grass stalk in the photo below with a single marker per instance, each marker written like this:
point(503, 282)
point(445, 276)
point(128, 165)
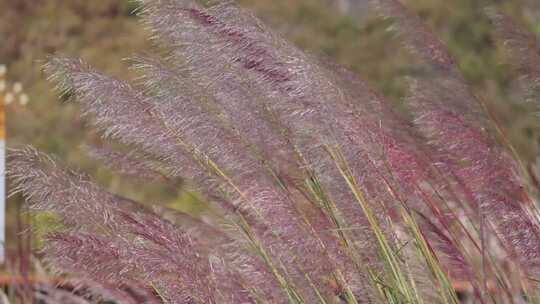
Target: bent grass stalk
point(399, 286)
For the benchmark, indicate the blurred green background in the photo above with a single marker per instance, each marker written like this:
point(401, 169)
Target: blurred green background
point(106, 31)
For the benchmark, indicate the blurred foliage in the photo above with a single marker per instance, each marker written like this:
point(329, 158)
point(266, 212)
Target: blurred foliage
point(106, 31)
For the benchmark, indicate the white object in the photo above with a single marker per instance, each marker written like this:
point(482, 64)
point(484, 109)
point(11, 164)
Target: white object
point(23, 99)
point(2, 199)
point(9, 98)
point(17, 87)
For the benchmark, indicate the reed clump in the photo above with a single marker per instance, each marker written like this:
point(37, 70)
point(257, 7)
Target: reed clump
point(317, 190)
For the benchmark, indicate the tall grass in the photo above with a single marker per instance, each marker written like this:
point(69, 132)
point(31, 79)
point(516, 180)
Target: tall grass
point(317, 191)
